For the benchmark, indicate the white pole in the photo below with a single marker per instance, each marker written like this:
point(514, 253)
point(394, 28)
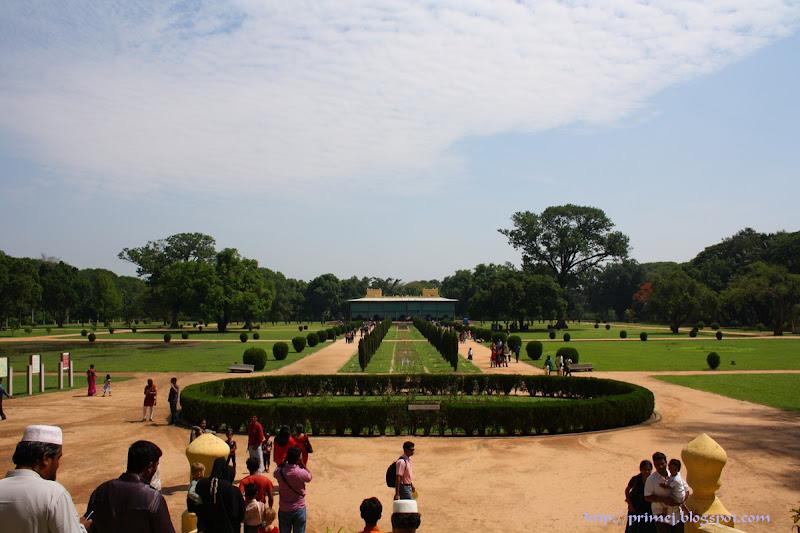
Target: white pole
point(41, 377)
point(11, 381)
point(30, 380)
point(71, 374)
point(60, 375)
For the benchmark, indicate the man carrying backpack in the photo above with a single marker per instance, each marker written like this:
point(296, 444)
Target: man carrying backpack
point(403, 483)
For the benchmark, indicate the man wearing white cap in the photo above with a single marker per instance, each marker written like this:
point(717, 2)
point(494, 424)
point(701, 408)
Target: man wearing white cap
point(405, 516)
point(31, 501)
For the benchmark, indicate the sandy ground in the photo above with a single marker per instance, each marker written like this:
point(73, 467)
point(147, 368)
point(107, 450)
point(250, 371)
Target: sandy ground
point(465, 484)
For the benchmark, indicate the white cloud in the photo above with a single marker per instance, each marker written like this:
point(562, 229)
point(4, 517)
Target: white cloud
point(138, 96)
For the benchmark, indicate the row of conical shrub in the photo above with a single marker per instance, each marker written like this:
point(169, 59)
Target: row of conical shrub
point(445, 340)
point(370, 342)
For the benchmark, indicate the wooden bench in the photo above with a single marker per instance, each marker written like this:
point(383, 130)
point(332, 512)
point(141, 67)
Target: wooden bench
point(237, 367)
point(581, 367)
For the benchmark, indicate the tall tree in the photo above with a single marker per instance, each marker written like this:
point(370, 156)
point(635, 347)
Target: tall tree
point(241, 290)
point(460, 287)
point(59, 289)
point(678, 298)
point(567, 240)
point(614, 287)
point(765, 293)
point(324, 297)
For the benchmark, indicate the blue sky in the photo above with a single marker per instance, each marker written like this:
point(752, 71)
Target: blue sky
point(389, 138)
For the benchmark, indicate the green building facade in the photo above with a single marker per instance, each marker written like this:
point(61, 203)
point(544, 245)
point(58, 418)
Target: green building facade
point(400, 308)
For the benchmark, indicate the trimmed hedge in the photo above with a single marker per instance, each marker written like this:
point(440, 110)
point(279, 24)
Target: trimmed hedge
point(534, 350)
point(92, 337)
point(552, 334)
point(585, 404)
point(243, 336)
point(299, 344)
point(713, 360)
point(719, 335)
point(567, 337)
point(280, 350)
point(444, 339)
point(568, 353)
point(323, 335)
point(623, 334)
point(256, 357)
point(84, 333)
point(167, 337)
point(312, 339)
point(643, 335)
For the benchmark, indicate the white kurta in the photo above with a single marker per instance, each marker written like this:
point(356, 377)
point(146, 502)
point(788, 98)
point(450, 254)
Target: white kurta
point(30, 504)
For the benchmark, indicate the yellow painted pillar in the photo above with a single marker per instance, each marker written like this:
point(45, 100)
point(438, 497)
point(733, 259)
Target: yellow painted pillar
point(704, 460)
point(204, 449)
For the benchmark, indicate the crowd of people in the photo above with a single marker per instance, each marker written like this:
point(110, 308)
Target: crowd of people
point(32, 501)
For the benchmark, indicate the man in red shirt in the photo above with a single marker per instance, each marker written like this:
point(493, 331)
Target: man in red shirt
point(255, 436)
point(263, 483)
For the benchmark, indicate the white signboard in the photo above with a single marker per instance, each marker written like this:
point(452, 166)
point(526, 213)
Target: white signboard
point(3, 367)
point(35, 360)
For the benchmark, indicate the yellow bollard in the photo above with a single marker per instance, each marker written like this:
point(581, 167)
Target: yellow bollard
point(204, 449)
point(704, 460)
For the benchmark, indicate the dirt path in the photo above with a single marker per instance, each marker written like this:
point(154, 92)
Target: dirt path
point(465, 484)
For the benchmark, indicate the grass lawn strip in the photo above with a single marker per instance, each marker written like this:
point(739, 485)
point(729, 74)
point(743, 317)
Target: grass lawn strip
point(773, 390)
point(659, 355)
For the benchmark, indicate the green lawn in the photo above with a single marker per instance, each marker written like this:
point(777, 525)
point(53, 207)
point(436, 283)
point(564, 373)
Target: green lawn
point(408, 357)
point(767, 389)
point(588, 331)
point(657, 355)
point(111, 357)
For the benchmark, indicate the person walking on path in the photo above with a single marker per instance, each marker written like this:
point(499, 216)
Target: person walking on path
point(129, 504)
point(91, 378)
point(265, 487)
point(404, 482)
point(283, 443)
point(7, 395)
point(31, 501)
point(292, 477)
point(150, 394)
point(174, 396)
point(107, 385)
point(255, 436)
point(301, 439)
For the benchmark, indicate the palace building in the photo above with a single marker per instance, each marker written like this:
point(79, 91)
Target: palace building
point(375, 306)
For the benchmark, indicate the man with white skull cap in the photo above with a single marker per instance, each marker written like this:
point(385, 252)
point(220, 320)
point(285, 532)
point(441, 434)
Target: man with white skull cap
point(31, 501)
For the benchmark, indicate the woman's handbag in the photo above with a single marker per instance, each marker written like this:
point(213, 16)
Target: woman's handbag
point(309, 449)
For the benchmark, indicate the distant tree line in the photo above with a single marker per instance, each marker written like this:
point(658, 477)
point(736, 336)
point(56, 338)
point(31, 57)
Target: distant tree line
point(575, 266)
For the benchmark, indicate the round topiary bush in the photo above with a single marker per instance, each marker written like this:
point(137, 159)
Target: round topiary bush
point(111, 331)
point(84, 333)
point(713, 360)
point(514, 342)
point(299, 328)
point(568, 353)
point(200, 328)
point(760, 327)
point(715, 326)
point(323, 335)
point(185, 335)
point(719, 335)
point(92, 337)
point(700, 325)
point(280, 351)
point(499, 336)
point(552, 334)
point(299, 344)
point(243, 337)
point(305, 327)
point(167, 337)
point(133, 330)
point(623, 334)
point(256, 357)
point(567, 337)
point(608, 326)
point(256, 336)
point(534, 350)
point(643, 335)
point(312, 339)
point(596, 326)
point(331, 333)
point(693, 333)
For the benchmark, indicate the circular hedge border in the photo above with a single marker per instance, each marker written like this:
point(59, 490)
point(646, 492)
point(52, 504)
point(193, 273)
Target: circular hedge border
point(594, 404)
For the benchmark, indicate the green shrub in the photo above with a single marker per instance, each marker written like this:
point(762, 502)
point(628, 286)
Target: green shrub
point(700, 325)
point(256, 336)
point(499, 336)
point(608, 326)
point(312, 339)
point(299, 328)
point(715, 326)
point(167, 337)
point(256, 357)
point(184, 335)
point(331, 333)
point(568, 353)
point(514, 342)
point(280, 350)
point(200, 328)
point(299, 344)
point(47, 329)
point(534, 350)
point(84, 333)
point(643, 335)
point(243, 337)
point(323, 335)
point(760, 327)
point(713, 360)
point(623, 334)
point(92, 337)
point(133, 330)
point(693, 333)
point(28, 329)
point(719, 335)
point(596, 326)
point(552, 334)
point(305, 327)
point(567, 337)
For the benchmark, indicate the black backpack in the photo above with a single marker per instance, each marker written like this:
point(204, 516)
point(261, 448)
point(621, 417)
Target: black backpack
point(391, 474)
